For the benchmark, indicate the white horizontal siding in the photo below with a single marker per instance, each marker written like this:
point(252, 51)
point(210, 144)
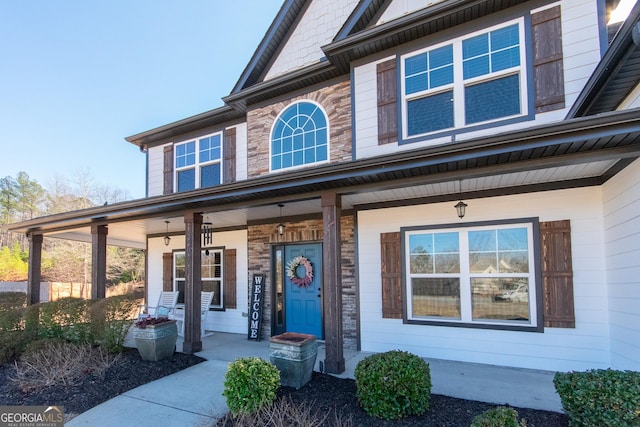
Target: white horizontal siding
point(581, 348)
point(399, 8)
point(229, 320)
point(155, 171)
point(241, 152)
point(621, 197)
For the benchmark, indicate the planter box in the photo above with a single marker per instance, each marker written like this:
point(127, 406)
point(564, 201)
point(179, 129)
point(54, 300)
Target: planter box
point(295, 356)
point(156, 342)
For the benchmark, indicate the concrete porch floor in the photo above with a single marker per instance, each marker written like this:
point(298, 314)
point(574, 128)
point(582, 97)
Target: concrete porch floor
point(518, 387)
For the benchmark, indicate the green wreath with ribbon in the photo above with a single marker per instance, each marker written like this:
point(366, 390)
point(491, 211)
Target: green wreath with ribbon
point(292, 271)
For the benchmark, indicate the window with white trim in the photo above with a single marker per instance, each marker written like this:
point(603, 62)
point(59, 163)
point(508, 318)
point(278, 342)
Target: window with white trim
point(198, 162)
point(211, 275)
point(300, 136)
point(483, 274)
point(475, 79)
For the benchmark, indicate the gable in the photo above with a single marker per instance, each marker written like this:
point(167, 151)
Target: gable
point(399, 8)
point(317, 27)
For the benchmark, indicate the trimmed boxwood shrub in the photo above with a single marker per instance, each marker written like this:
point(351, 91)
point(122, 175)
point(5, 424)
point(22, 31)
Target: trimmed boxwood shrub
point(600, 397)
point(393, 385)
point(498, 417)
point(250, 383)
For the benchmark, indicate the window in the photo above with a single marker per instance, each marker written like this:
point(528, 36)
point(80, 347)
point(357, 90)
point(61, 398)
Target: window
point(476, 275)
point(198, 163)
point(211, 275)
point(299, 137)
point(473, 80)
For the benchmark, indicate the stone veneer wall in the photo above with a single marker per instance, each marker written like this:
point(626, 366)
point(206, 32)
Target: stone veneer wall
point(336, 102)
point(263, 237)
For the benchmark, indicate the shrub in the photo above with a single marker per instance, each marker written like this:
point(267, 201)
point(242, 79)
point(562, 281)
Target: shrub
point(498, 417)
point(393, 385)
point(250, 383)
point(66, 318)
point(111, 319)
point(600, 397)
point(12, 305)
point(55, 362)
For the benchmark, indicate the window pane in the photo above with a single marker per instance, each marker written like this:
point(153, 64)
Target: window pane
point(186, 180)
point(501, 299)
point(430, 113)
point(493, 99)
point(441, 57)
point(513, 262)
point(415, 64)
point(445, 263)
point(213, 285)
point(210, 175)
point(484, 240)
point(446, 242)
point(476, 67)
point(505, 59)
point(505, 37)
point(321, 153)
point(416, 83)
point(179, 267)
point(185, 154)
point(435, 297)
point(512, 238)
point(441, 76)
point(210, 148)
point(483, 262)
point(475, 46)
point(309, 155)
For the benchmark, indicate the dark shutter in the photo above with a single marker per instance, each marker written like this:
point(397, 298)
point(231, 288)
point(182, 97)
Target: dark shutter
point(229, 148)
point(548, 70)
point(557, 274)
point(391, 275)
point(168, 170)
point(229, 279)
point(167, 271)
point(387, 102)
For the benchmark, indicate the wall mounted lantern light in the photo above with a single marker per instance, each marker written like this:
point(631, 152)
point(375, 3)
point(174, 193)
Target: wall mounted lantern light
point(281, 225)
point(167, 239)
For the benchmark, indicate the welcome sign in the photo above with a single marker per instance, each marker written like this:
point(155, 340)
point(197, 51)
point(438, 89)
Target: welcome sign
point(255, 306)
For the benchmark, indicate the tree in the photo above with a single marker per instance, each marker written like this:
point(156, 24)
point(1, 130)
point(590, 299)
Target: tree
point(13, 264)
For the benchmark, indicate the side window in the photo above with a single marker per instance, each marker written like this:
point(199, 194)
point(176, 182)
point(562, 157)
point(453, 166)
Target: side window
point(300, 136)
point(211, 275)
point(198, 163)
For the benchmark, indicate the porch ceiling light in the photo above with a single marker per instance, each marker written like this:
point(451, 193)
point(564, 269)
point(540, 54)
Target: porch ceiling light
point(167, 239)
point(461, 208)
point(281, 225)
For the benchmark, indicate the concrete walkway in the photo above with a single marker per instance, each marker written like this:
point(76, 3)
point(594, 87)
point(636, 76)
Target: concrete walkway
point(193, 397)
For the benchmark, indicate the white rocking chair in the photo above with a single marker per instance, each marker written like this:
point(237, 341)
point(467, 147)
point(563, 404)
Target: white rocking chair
point(164, 308)
point(205, 302)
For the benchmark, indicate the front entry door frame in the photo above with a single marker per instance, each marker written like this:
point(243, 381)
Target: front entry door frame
point(281, 256)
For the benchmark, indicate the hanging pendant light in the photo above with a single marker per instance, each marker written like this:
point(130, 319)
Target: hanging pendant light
point(167, 239)
point(461, 207)
point(281, 225)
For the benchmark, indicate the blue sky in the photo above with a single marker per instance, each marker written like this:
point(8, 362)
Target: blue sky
point(77, 77)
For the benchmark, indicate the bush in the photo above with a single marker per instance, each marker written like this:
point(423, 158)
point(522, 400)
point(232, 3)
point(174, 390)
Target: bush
point(55, 362)
point(600, 397)
point(393, 385)
point(250, 383)
point(66, 318)
point(111, 319)
point(12, 305)
point(498, 417)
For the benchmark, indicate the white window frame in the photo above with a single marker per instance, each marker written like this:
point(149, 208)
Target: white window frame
point(198, 165)
point(177, 279)
point(459, 83)
point(465, 276)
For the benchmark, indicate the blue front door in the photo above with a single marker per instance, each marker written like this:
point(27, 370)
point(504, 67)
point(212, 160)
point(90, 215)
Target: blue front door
point(303, 302)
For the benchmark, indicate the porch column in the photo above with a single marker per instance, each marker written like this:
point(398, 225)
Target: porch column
point(35, 268)
point(331, 271)
point(98, 261)
point(193, 283)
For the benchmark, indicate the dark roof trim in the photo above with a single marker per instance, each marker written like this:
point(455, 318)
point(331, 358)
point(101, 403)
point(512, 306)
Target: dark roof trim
point(410, 27)
point(381, 171)
point(361, 17)
point(273, 38)
point(167, 132)
point(283, 84)
point(607, 71)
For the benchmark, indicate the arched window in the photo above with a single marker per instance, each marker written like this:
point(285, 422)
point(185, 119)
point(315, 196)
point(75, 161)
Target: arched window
point(299, 136)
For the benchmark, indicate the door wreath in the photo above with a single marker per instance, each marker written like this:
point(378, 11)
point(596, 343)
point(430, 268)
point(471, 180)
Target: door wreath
point(292, 271)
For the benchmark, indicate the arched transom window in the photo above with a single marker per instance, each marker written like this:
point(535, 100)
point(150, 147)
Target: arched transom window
point(299, 136)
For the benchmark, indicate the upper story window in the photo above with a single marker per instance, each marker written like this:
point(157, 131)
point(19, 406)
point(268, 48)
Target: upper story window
point(300, 136)
point(472, 80)
point(198, 163)
point(474, 275)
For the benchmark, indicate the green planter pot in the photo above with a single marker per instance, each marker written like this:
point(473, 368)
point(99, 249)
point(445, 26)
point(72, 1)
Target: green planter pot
point(156, 342)
point(295, 356)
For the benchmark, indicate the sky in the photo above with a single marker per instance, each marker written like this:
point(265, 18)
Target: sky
point(77, 77)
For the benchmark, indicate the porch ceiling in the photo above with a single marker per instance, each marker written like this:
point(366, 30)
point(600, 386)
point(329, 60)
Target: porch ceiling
point(576, 152)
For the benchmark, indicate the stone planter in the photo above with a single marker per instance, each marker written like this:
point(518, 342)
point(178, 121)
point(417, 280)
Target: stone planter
point(295, 356)
point(156, 342)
